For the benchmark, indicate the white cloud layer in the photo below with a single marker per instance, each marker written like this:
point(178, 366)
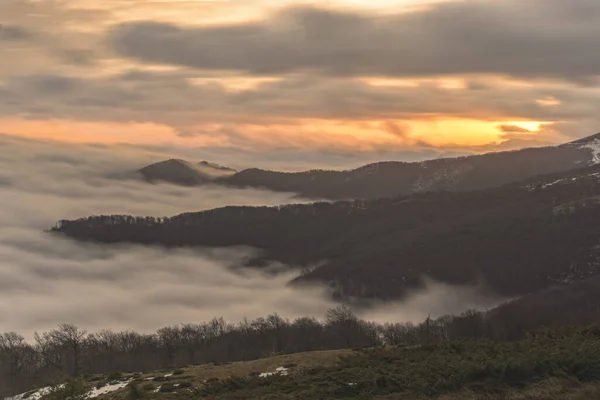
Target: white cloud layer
point(46, 280)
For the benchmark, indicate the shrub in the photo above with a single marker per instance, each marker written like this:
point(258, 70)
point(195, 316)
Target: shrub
point(135, 393)
point(167, 387)
point(114, 376)
point(185, 384)
point(289, 365)
point(178, 372)
point(29, 394)
point(73, 389)
point(148, 387)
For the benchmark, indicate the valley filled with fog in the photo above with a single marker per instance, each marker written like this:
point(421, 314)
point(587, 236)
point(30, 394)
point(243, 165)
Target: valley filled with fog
point(46, 280)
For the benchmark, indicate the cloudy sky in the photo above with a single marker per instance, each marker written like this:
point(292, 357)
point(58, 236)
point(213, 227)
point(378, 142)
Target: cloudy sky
point(339, 79)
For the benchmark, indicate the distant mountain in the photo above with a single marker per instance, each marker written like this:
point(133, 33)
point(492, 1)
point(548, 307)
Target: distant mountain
point(185, 173)
point(518, 238)
point(393, 178)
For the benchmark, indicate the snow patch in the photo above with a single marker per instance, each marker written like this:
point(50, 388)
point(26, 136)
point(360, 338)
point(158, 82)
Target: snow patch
point(281, 371)
point(593, 145)
point(92, 394)
point(553, 183)
point(33, 395)
point(113, 387)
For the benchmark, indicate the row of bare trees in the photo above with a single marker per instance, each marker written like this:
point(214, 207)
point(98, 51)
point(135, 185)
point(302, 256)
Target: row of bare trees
point(71, 350)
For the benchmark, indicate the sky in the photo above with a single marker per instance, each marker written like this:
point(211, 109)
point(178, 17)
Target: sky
point(328, 83)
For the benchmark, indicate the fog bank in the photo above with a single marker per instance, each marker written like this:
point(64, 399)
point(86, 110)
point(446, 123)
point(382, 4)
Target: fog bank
point(46, 280)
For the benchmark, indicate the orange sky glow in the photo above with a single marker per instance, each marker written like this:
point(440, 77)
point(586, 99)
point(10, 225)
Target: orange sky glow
point(226, 121)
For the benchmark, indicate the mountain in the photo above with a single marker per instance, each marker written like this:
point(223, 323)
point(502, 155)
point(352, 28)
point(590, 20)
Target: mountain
point(393, 178)
point(517, 238)
point(185, 173)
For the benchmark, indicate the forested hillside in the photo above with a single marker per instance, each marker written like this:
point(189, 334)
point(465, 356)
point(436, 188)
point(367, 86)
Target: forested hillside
point(517, 239)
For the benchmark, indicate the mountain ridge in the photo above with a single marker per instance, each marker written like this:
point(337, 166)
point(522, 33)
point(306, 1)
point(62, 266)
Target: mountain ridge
point(393, 178)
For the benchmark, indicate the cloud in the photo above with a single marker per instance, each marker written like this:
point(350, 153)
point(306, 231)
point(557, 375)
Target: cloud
point(300, 67)
point(519, 38)
point(46, 280)
point(310, 76)
point(14, 33)
point(512, 129)
point(171, 99)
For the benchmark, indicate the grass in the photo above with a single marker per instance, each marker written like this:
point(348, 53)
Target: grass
point(559, 364)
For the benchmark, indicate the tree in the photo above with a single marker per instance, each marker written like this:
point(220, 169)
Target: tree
point(344, 322)
point(16, 354)
point(169, 338)
point(193, 337)
point(57, 344)
point(277, 325)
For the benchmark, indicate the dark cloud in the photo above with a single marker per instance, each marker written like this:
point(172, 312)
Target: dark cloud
point(14, 33)
point(522, 38)
point(171, 99)
point(396, 129)
point(80, 57)
point(211, 109)
point(512, 129)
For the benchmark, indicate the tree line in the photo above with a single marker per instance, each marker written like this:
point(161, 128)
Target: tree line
point(70, 350)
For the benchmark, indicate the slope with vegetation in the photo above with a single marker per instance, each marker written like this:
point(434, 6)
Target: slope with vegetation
point(517, 238)
point(389, 179)
point(544, 365)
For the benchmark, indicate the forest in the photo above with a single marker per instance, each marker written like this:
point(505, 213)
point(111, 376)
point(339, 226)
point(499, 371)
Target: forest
point(517, 238)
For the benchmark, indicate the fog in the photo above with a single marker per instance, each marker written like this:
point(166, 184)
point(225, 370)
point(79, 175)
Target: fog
point(46, 280)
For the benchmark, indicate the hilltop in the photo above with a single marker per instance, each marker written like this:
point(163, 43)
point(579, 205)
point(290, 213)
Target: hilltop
point(394, 178)
point(185, 173)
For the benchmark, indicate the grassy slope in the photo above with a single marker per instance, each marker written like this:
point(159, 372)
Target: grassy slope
point(557, 365)
point(201, 375)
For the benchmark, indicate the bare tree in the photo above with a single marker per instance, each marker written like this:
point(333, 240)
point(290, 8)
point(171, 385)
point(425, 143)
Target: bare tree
point(61, 342)
point(169, 338)
point(343, 320)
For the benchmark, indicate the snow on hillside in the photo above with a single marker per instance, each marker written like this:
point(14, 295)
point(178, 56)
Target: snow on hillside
point(92, 394)
point(283, 371)
point(113, 387)
point(593, 145)
point(35, 395)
